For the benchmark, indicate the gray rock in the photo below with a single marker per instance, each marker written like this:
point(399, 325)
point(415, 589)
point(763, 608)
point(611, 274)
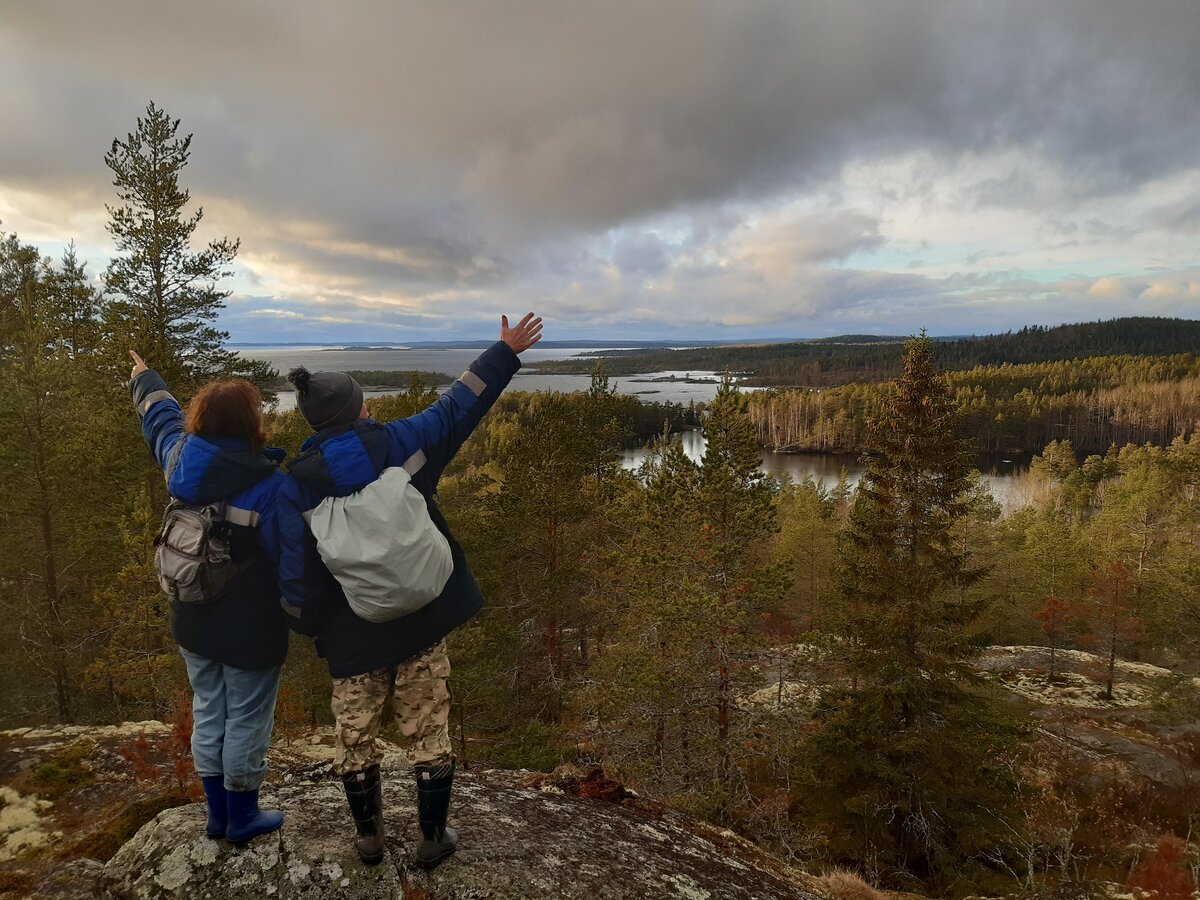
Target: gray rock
point(517, 841)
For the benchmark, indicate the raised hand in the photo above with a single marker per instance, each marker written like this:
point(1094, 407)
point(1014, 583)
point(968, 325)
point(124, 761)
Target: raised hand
point(524, 335)
point(138, 366)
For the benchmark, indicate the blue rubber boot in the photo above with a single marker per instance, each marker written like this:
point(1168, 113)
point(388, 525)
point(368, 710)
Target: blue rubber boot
point(246, 820)
point(218, 810)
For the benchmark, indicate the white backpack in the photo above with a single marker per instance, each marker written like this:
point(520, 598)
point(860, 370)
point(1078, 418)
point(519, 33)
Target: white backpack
point(382, 547)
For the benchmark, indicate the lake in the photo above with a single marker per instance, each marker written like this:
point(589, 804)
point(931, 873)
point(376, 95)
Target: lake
point(672, 387)
point(999, 473)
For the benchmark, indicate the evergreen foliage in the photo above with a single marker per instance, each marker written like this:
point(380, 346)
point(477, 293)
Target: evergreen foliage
point(892, 745)
point(164, 296)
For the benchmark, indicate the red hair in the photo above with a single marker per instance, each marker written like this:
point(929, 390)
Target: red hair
point(229, 408)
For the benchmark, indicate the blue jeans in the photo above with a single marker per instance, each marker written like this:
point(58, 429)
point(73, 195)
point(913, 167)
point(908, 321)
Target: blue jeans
point(233, 711)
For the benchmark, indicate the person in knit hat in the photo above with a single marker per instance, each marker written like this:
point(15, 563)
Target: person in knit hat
point(326, 399)
point(369, 567)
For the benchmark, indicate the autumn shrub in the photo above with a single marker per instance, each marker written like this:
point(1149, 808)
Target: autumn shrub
point(845, 884)
point(172, 762)
point(1163, 874)
point(291, 718)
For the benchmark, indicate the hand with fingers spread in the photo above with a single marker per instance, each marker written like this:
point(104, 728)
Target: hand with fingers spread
point(524, 335)
point(139, 366)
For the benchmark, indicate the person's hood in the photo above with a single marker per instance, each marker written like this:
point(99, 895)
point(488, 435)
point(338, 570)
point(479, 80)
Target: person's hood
point(206, 470)
point(344, 459)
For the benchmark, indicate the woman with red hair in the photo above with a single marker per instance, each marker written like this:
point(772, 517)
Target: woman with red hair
point(230, 626)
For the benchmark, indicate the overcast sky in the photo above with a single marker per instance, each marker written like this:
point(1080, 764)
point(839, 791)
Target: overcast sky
point(402, 171)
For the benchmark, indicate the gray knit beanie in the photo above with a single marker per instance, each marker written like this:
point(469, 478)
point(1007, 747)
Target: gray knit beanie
point(326, 398)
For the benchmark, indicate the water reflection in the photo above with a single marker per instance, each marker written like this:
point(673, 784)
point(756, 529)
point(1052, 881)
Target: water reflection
point(1002, 474)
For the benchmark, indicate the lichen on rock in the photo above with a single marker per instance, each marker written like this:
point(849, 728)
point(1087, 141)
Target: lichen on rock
point(518, 841)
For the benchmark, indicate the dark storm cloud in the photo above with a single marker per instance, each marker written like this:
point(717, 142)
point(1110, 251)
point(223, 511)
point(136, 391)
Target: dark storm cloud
point(474, 143)
point(592, 113)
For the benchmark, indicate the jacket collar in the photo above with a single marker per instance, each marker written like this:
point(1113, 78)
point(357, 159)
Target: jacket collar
point(205, 470)
point(343, 459)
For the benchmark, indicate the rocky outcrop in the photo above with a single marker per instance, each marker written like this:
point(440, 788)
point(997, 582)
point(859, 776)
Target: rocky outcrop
point(521, 837)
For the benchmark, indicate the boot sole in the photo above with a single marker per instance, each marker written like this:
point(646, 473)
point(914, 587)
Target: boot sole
point(436, 861)
point(372, 860)
point(242, 842)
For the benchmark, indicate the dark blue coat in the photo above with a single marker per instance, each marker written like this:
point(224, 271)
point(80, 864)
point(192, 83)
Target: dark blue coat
point(245, 627)
point(341, 460)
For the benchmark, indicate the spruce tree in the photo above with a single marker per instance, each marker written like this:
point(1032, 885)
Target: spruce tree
point(906, 772)
point(164, 297)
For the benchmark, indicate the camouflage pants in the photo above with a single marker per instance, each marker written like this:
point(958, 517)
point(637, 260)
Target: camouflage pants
point(416, 693)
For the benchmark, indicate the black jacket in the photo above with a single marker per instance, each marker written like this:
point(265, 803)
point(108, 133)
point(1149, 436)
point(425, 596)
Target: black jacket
point(342, 460)
point(245, 627)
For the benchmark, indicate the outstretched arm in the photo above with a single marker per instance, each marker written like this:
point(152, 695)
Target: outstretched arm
point(527, 333)
point(161, 417)
point(440, 430)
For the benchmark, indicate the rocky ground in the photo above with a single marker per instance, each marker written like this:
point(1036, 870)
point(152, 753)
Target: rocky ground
point(113, 810)
point(1149, 728)
point(522, 837)
point(108, 832)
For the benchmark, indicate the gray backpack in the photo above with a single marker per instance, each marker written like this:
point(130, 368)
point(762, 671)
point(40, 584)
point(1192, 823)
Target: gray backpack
point(192, 555)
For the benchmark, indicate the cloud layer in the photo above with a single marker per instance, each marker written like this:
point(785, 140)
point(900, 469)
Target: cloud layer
point(668, 168)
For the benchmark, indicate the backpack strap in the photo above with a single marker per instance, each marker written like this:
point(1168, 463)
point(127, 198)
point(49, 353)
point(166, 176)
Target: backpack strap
point(236, 515)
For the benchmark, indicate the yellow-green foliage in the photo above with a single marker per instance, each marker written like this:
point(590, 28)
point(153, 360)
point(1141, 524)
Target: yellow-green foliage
point(65, 770)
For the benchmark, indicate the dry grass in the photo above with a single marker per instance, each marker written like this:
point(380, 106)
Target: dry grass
point(844, 884)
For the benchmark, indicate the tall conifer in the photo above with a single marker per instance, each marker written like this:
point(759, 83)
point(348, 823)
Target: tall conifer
point(906, 772)
point(164, 296)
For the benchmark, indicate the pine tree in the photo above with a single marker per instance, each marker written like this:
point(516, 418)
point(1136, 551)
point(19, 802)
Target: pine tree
point(735, 506)
point(605, 428)
point(1114, 616)
point(905, 763)
point(164, 296)
point(646, 689)
point(57, 415)
point(806, 545)
point(139, 667)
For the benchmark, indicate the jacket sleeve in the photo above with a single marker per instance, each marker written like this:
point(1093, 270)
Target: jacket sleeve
point(300, 566)
point(160, 415)
point(441, 429)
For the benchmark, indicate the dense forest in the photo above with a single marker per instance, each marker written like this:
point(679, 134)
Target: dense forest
point(1093, 402)
point(833, 361)
point(797, 662)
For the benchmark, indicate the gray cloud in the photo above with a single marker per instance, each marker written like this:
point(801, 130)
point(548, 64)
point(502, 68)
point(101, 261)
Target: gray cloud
point(435, 148)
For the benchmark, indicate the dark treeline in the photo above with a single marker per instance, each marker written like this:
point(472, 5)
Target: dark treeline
point(826, 363)
point(1093, 402)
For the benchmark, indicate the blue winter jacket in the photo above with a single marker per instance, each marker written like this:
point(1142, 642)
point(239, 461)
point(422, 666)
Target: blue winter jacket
point(244, 627)
point(344, 459)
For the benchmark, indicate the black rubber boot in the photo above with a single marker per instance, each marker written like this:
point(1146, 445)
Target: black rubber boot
point(433, 806)
point(364, 793)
